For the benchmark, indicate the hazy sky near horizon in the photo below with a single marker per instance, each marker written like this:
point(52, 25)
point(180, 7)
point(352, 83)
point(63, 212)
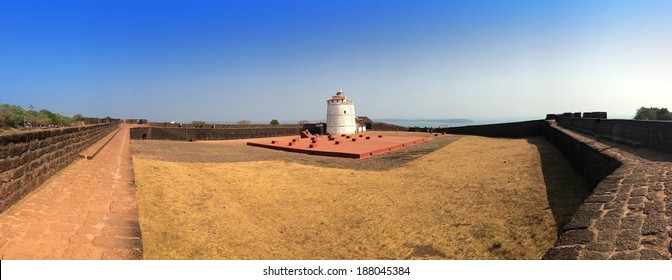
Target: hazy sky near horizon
point(259, 60)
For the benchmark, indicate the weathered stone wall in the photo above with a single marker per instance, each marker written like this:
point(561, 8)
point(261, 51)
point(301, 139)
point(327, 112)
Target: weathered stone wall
point(654, 134)
point(629, 212)
point(193, 134)
point(163, 131)
point(141, 133)
point(506, 130)
point(588, 162)
point(592, 164)
point(135, 121)
point(28, 159)
point(595, 115)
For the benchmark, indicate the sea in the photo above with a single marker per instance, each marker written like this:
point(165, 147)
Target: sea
point(440, 123)
point(434, 123)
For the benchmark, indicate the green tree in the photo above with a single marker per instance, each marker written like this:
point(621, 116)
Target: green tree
point(14, 116)
point(664, 115)
point(275, 122)
point(11, 115)
point(55, 118)
point(36, 118)
point(653, 113)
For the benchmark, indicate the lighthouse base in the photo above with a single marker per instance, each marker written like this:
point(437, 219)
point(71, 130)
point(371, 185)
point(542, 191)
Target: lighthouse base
point(350, 146)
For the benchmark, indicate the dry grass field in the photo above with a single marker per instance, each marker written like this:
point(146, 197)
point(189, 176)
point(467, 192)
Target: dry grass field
point(465, 198)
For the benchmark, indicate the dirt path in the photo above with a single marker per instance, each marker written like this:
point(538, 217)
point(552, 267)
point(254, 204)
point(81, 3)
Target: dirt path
point(86, 211)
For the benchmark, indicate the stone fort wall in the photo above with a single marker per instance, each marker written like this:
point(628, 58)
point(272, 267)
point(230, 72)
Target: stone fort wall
point(591, 164)
point(191, 132)
point(220, 132)
point(625, 216)
point(653, 134)
point(508, 130)
point(28, 159)
point(628, 215)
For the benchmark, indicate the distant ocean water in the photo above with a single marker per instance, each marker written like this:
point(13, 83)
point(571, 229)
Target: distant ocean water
point(453, 123)
point(420, 123)
point(416, 123)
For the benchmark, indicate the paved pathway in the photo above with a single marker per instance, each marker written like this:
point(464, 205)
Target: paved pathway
point(86, 211)
point(629, 214)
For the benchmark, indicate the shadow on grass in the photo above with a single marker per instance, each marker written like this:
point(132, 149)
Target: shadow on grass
point(565, 188)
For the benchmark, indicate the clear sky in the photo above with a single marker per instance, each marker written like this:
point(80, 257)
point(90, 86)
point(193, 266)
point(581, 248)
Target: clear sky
point(259, 60)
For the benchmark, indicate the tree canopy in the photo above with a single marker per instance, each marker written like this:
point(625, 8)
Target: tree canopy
point(15, 116)
point(653, 113)
point(198, 123)
point(275, 122)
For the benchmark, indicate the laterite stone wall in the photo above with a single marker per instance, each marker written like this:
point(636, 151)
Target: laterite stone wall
point(653, 134)
point(28, 159)
point(222, 132)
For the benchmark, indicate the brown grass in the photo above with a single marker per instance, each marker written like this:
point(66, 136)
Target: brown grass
point(477, 198)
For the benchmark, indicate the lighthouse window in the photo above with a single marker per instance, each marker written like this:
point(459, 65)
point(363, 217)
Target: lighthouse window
point(343, 112)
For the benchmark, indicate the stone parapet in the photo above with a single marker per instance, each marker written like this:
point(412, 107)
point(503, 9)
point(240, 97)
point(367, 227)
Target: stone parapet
point(28, 159)
point(636, 133)
point(628, 215)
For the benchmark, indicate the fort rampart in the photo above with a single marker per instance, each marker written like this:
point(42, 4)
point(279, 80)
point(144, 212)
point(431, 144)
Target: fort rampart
point(509, 130)
point(219, 132)
point(653, 134)
point(28, 159)
point(628, 215)
point(590, 163)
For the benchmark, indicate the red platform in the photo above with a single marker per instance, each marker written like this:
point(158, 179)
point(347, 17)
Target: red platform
point(354, 146)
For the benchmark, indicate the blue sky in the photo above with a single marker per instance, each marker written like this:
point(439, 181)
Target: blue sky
point(259, 60)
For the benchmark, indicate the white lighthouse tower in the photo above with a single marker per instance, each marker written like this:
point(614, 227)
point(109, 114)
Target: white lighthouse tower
point(340, 115)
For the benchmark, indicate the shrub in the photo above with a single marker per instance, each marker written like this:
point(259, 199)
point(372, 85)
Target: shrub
point(198, 123)
point(653, 113)
point(15, 116)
